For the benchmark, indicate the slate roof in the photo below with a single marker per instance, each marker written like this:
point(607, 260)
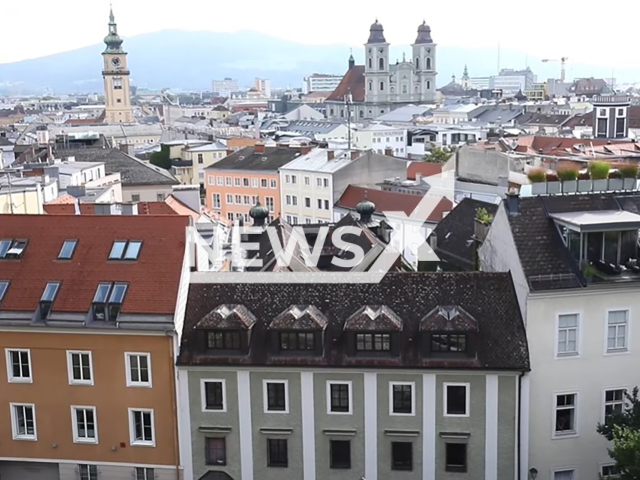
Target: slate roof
point(247, 159)
point(489, 297)
point(454, 233)
point(499, 114)
point(228, 317)
point(448, 318)
point(540, 247)
point(132, 170)
point(545, 119)
point(300, 317)
point(153, 279)
point(353, 82)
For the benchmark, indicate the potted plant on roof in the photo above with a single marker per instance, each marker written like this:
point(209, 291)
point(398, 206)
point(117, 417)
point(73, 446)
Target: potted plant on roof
point(629, 173)
point(599, 172)
point(615, 180)
point(568, 175)
point(584, 182)
point(537, 177)
point(553, 184)
point(482, 223)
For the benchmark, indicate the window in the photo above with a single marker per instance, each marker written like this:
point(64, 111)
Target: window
point(417, 63)
point(135, 197)
point(215, 451)
point(275, 396)
point(88, 472)
point(565, 414)
point(216, 201)
point(609, 471)
point(340, 453)
point(617, 329)
point(211, 180)
point(229, 199)
point(228, 181)
point(294, 200)
point(19, 366)
point(263, 183)
point(456, 457)
point(297, 341)
point(318, 182)
point(319, 204)
point(83, 420)
point(381, 86)
point(325, 182)
point(274, 184)
point(339, 397)
point(125, 250)
point(238, 199)
point(144, 473)
point(237, 181)
point(307, 181)
point(67, 250)
point(269, 203)
point(287, 199)
point(614, 401)
point(277, 455)
point(229, 215)
point(141, 425)
point(23, 421)
point(381, 63)
point(326, 204)
point(254, 182)
point(448, 343)
point(12, 249)
point(246, 200)
point(563, 475)
point(401, 456)
point(220, 180)
point(456, 399)
point(245, 182)
point(254, 199)
point(401, 398)
point(307, 202)
point(567, 335)
point(223, 340)
point(138, 369)
point(213, 394)
point(108, 301)
point(200, 159)
point(294, 179)
point(373, 342)
point(4, 286)
point(80, 368)
point(48, 297)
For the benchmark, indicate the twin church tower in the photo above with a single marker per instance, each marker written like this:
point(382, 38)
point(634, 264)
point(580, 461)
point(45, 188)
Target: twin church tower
point(117, 91)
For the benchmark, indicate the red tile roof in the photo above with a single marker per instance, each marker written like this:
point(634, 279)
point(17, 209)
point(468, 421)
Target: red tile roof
point(353, 81)
point(153, 279)
point(83, 121)
point(425, 169)
point(66, 206)
point(391, 201)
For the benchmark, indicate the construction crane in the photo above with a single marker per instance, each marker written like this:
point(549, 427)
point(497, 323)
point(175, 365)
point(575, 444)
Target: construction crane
point(563, 61)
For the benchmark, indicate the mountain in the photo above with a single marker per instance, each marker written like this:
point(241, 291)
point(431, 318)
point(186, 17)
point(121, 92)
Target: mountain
point(189, 60)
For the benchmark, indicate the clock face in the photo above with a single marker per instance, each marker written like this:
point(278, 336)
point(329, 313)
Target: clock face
point(115, 61)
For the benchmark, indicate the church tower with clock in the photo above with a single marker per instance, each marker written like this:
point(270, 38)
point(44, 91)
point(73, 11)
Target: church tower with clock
point(116, 78)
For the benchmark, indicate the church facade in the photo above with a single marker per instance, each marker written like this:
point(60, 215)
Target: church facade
point(379, 86)
point(117, 93)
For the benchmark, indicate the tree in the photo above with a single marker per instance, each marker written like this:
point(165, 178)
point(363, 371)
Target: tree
point(161, 159)
point(439, 154)
point(623, 429)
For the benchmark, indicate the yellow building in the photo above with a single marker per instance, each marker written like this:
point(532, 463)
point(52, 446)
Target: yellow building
point(537, 93)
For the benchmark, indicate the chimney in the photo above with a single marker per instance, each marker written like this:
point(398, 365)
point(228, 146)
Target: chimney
point(304, 149)
point(388, 152)
point(354, 154)
point(418, 178)
point(229, 151)
point(259, 148)
point(126, 148)
point(129, 209)
point(331, 155)
point(513, 202)
point(189, 195)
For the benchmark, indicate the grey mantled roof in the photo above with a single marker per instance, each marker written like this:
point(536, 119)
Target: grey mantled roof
point(488, 297)
point(499, 114)
point(374, 318)
point(448, 318)
point(132, 170)
point(424, 34)
point(311, 127)
point(247, 159)
point(228, 317)
point(454, 233)
point(376, 33)
point(300, 317)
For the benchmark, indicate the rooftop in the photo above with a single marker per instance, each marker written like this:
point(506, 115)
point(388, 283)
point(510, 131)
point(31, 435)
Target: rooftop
point(248, 159)
point(317, 160)
point(353, 83)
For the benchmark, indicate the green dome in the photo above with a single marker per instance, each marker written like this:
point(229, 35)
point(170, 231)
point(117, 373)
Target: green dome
point(366, 208)
point(259, 212)
point(113, 40)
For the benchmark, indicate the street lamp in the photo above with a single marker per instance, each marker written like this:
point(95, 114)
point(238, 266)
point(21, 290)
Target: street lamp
point(534, 472)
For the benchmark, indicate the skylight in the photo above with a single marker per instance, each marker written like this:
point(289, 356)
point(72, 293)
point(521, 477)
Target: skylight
point(12, 248)
point(108, 300)
point(125, 250)
point(67, 250)
point(4, 286)
point(48, 296)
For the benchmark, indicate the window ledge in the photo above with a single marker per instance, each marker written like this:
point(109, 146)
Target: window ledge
point(21, 380)
point(401, 433)
point(215, 429)
point(143, 444)
point(617, 351)
point(561, 435)
point(25, 438)
point(276, 431)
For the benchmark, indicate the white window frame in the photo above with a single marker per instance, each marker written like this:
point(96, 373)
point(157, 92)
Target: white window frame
point(73, 381)
point(273, 183)
point(220, 181)
point(577, 354)
point(10, 377)
point(265, 396)
point(607, 464)
point(413, 399)
point(211, 180)
point(604, 399)
point(131, 383)
point(14, 430)
point(132, 428)
point(565, 469)
point(574, 433)
point(74, 424)
point(467, 399)
point(229, 199)
point(203, 394)
point(617, 351)
point(349, 383)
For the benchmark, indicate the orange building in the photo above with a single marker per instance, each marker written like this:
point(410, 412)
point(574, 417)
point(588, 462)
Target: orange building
point(239, 181)
point(87, 335)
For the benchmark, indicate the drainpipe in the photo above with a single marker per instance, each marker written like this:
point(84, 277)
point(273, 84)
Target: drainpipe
point(174, 407)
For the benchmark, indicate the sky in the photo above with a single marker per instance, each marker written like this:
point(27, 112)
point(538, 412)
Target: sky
point(543, 29)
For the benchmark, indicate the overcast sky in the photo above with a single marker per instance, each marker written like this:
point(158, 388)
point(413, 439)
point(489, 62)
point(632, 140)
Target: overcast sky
point(545, 28)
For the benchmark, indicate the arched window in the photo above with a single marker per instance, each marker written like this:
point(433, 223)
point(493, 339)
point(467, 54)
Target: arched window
point(381, 86)
point(428, 85)
point(381, 63)
point(371, 86)
point(417, 63)
point(361, 114)
point(392, 89)
point(370, 62)
point(428, 63)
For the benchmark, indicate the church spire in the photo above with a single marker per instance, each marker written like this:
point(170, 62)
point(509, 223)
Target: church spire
point(113, 40)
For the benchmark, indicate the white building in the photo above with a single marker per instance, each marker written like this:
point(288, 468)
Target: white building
point(580, 326)
point(263, 86)
point(454, 114)
point(224, 87)
point(320, 82)
point(382, 139)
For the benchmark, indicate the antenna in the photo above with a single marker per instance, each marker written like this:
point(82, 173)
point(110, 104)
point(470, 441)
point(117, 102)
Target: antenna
point(498, 57)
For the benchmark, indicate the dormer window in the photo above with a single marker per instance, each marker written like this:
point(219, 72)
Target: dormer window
point(298, 331)
point(12, 249)
point(108, 300)
point(48, 297)
point(448, 343)
point(375, 331)
point(67, 250)
point(373, 342)
point(224, 340)
point(125, 250)
point(225, 330)
point(4, 286)
point(297, 341)
point(448, 331)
